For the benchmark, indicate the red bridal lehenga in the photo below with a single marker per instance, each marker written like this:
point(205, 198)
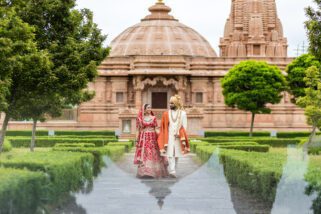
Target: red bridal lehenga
point(147, 156)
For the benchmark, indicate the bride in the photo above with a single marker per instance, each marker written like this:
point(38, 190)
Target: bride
point(147, 156)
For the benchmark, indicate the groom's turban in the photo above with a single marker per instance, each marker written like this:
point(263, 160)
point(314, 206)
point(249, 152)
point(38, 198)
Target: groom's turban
point(177, 101)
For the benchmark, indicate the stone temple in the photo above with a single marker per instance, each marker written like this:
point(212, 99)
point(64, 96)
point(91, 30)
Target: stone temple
point(160, 57)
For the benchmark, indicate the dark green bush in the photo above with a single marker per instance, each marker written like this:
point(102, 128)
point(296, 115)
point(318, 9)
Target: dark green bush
point(66, 171)
point(20, 190)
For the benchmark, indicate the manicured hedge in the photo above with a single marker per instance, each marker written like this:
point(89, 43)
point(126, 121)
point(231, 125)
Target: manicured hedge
point(235, 134)
point(6, 146)
point(248, 148)
point(113, 150)
point(275, 142)
point(257, 173)
point(257, 134)
point(128, 145)
point(66, 171)
point(50, 142)
point(20, 190)
point(45, 133)
point(75, 145)
point(313, 177)
point(195, 144)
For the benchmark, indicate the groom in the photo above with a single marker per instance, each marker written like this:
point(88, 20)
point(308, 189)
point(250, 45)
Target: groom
point(172, 140)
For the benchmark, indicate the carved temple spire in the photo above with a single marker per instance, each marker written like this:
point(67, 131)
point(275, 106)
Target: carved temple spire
point(253, 29)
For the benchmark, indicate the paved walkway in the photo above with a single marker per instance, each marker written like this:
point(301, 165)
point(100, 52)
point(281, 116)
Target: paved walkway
point(199, 189)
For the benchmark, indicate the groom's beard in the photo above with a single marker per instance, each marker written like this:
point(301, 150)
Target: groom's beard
point(173, 107)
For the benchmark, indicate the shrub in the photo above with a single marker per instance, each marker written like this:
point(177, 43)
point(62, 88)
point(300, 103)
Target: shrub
point(66, 171)
point(236, 134)
point(128, 145)
point(75, 145)
point(274, 142)
point(50, 142)
point(6, 146)
point(20, 190)
point(45, 133)
point(257, 173)
point(248, 148)
point(313, 177)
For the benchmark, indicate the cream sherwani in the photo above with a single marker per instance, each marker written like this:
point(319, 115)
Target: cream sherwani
point(177, 118)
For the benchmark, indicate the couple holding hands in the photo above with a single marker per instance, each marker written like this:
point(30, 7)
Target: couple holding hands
point(157, 153)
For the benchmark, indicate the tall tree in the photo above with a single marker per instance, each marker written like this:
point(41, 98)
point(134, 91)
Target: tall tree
point(311, 102)
point(251, 85)
point(20, 56)
point(296, 73)
point(313, 27)
point(75, 45)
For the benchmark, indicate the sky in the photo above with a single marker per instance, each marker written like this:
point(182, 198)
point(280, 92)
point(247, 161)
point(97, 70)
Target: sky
point(208, 17)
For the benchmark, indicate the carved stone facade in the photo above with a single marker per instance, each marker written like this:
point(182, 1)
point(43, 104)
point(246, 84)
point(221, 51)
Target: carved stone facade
point(160, 57)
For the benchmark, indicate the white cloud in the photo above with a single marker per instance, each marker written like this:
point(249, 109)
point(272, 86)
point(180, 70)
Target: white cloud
point(205, 16)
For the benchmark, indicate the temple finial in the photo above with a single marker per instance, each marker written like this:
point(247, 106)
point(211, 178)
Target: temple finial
point(160, 1)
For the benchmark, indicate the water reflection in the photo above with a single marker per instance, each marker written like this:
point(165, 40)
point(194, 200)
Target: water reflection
point(290, 195)
point(160, 189)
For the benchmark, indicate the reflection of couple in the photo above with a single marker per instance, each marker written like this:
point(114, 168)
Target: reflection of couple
point(155, 152)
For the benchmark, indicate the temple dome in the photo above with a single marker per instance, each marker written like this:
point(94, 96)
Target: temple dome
point(160, 34)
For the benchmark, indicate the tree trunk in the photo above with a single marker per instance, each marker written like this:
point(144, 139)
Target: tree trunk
point(312, 134)
point(3, 130)
point(252, 124)
point(33, 138)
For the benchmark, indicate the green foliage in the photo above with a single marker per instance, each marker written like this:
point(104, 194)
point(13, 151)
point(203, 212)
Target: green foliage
point(313, 177)
point(251, 85)
point(256, 172)
point(66, 171)
point(128, 145)
point(274, 142)
point(235, 134)
point(296, 73)
point(248, 148)
point(75, 145)
point(210, 134)
point(50, 142)
point(21, 190)
point(311, 102)
point(62, 133)
point(313, 27)
point(7, 146)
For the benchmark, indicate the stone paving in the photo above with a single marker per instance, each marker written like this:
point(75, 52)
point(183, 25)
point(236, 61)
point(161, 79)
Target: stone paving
point(199, 189)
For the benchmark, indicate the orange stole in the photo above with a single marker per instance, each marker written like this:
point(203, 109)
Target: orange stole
point(163, 135)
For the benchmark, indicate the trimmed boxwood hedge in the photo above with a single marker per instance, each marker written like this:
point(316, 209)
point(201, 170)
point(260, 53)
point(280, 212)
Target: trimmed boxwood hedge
point(97, 152)
point(45, 133)
point(257, 134)
point(20, 190)
point(6, 146)
point(128, 145)
point(66, 171)
point(75, 145)
point(50, 142)
point(248, 148)
point(275, 142)
point(313, 178)
point(195, 144)
point(257, 173)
